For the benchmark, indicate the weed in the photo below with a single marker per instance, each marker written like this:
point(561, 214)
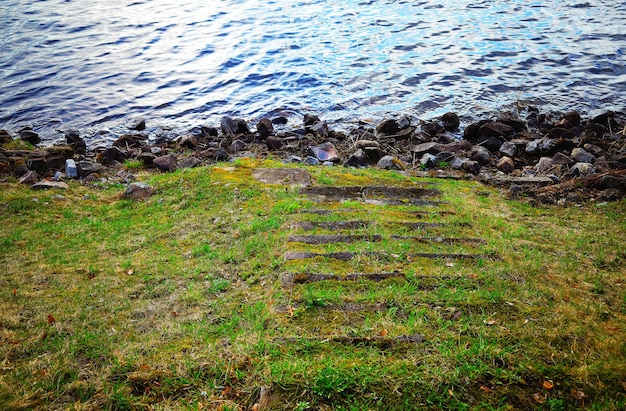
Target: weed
point(133, 164)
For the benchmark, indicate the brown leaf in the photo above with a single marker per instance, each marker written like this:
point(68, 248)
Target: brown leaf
point(384, 332)
point(51, 319)
point(486, 389)
point(539, 398)
point(578, 394)
point(548, 385)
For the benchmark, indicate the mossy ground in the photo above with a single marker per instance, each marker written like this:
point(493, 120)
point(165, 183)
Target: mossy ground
point(175, 302)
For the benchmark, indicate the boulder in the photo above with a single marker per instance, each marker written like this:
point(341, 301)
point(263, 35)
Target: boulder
point(480, 154)
point(515, 123)
point(233, 126)
point(539, 147)
point(127, 141)
point(431, 148)
point(562, 159)
point(472, 167)
point(136, 123)
point(311, 161)
point(55, 162)
point(86, 168)
point(310, 119)
point(166, 163)
point(324, 152)
point(582, 156)
point(544, 164)
point(393, 126)
point(450, 121)
point(582, 169)
point(569, 120)
point(30, 136)
point(506, 165)
point(274, 143)
point(357, 159)
point(138, 190)
point(37, 164)
point(432, 129)
point(428, 160)
point(237, 146)
point(320, 129)
point(508, 149)
point(29, 178)
point(457, 162)
point(74, 140)
point(111, 156)
point(188, 141)
point(5, 137)
point(496, 129)
point(265, 128)
point(190, 162)
point(390, 163)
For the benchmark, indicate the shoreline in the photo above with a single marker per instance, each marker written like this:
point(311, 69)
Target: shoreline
point(537, 155)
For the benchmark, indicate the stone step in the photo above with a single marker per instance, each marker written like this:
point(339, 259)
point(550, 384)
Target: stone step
point(334, 239)
point(347, 256)
point(416, 213)
point(378, 341)
point(358, 224)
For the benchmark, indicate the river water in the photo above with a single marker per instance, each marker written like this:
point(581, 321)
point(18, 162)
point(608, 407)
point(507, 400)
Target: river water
point(93, 64)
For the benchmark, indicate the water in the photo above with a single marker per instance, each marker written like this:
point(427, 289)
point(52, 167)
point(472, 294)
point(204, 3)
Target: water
point(94, 64)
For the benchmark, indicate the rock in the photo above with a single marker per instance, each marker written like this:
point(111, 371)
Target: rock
point(233, 126)
point(492, 144)
point(569, 120)
point(506, 165)
point(320, 129)
point(274, 143)
point(75, 141)
point(111, 156)
point(188, 141)
point(60, 151)
point(595, 150)
point(86, 168)
point(237, 146)
point(71, 170)
point(30, 136)
point(496, 129)
point(136, 123)
point(367, 144)
point(582, 156)
point(582, 169)
point(444, 157)
point(472, 132)
point(562, 159)
point(457, 162)
point(611, 182)
point(558, 132)
point(431, 148)
point(127, 141)
point(146, 158)
point(310, 119)
point(328, 164)
point(472, 167)
point(29, 178)
point(357, 159)
point(539, 146)
point(544, 164)
point(450, 121)
point(324, 152)
point(311, 161)
point(55, 162)
point(280, 120)
point(165, 164)
point(393, 126)
point(5, 137)
point(190, 162)
point(428, 160)
point(46, 185)
point(515, 123)
point(508, 149)
point(480, 154)
point(432, 129)
point(595, 129)
point(265, 128)
point(138, 190)
point(390, 163)
point(457, 146)
point(37, 164)
point(221, 155)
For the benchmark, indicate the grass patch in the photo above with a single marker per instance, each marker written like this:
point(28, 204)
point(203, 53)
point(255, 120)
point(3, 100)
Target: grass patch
point(176, 302)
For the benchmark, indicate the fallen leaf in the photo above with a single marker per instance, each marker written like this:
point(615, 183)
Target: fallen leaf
point(578, 394)
point(490, 322)
point(51, 319)
point(539, 398)
point(290, 311)
point(130, 271)
point(486, 389)
point(450, 393)
point(14, 292)
point(384, 332)
point(548, 385)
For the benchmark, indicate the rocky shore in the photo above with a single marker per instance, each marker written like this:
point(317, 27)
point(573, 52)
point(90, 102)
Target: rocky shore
point(544, 157)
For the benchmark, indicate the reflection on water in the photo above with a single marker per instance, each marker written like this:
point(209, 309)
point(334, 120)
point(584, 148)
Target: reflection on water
point(95, 63)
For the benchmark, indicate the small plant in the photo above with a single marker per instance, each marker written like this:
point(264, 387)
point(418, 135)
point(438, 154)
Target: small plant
point(443, 164)
point(133, 164)
point(18, 144)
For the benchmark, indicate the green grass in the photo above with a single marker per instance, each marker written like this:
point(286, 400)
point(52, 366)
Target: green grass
point(176, 301)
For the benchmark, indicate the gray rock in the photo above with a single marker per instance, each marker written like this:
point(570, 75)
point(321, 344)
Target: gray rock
point(138, 190)
point(87, 167)
point(357, 159)
point(472, 167)
point(389, 163)
point(294, 159)
point(30, 136)
point(71, 170)
point(265, 128)
point(508, 149)
point(232, 126)
point(582, 156)
point(237, 146)
point(311, 161)
point(165, 163)
point(47, 185)
point(320, 129)
point(111, 155)
point(393, 126)
point(428, 160)
point(544, 164)
point(450, 121)
point(480, 154)
point(136, 123)
point(328, 164)
point(562, 159)
point(540, 146)
point(310, 119)
point(37, 164)
point(582, 169)
point(274, 143)
point(73, 138)
point(457, 162)
point(190, 162)
point(29, 178)
point(496, 129)
point(127, 141)
point(5, 137)
point(188, 141)
point(367, 144)
point(431, 148)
